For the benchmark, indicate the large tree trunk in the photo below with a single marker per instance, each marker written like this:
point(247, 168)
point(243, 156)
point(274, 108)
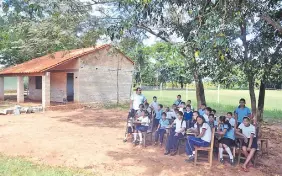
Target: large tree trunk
point(252, 95)
point(200, 91)
point(261, 101)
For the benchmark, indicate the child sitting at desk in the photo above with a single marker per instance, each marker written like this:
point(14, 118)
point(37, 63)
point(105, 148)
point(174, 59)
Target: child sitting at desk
point(202, 139)
point(228, 139)
point(143, 127)
point(176, 134)
point(163, 124)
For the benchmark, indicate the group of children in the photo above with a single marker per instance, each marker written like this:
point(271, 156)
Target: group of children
point(182, 118)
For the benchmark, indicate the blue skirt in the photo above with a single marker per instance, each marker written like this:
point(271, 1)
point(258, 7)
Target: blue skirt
point(142, 128)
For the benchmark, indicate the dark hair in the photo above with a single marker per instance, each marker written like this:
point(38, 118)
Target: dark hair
point(167, 108)
point(146, 104)
point(213, 110)
point(230, 113)
point(180, 113)
point(197, 112)
point(183, 102)
point(198, 125)
point(146, 113)
point(176, 110)
point(247, 118)
point(188, 106)
point(204, 104)
point(138, 88)
point(154, 97)
point(174, 105)
point(189, 100)
point(208, 109)
point(242, 99)
point(179, 96)
point(141, 105)
point(164, 114)
point(226, 122)
point(161, 106)
point(211, 115)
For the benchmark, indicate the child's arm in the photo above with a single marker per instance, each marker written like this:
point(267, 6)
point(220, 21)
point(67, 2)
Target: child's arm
point(251, 141)
point(222, 133)
point(202, 133)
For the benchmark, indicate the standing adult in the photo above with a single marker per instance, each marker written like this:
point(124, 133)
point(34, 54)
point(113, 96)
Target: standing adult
point(242, 111)
point(135, 100)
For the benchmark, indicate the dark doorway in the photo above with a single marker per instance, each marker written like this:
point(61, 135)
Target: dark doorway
point(70, 82)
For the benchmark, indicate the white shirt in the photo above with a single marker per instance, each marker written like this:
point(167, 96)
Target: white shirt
point(170, 114)
point(179, 126)
point(247, 131)
point(181, 109)
point(208, 134)
point(232, 122)
point(154, 105)
point(144, 120)
point(206, 117)
point(137, 100)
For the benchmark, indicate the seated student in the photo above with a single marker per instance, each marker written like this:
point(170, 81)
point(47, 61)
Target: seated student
point(212, 122)
point(195, 115)
point(178, 100)
point(143, 127)
point(139, 111)
point(188, 116)
point(228, 139)
point(207, 113)
point(249, 145)
point(231, 119)
point(175, 135)
point(202, 139)
point(167, 109)
point(189, 103)
point(158, 115)
point(202, 109)
point(161, 130)
point(148, 108)
point(213, 111)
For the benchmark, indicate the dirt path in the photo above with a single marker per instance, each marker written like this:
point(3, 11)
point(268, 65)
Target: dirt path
point(92, 139)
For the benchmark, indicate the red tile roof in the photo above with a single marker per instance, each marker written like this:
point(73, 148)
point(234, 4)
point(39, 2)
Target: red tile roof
point(44, 63)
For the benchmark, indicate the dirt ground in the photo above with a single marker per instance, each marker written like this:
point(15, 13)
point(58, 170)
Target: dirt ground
point(92, 139)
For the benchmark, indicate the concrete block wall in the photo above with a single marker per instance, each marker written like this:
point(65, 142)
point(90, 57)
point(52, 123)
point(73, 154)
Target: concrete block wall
point(98, 77)
point(58, 86)
point(34, 94)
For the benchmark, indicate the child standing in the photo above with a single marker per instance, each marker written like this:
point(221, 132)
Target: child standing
point(178, 100)
point(207, 113)
point(249, 145)
point(188, 116)
point(202, 109)
point(154, 105)
point(202, 139)
point(242, 111)
point(158, 115)
point(231, 119)
point(227, 140)
point(189, 103)
point(163, 124)
point(143, 127)
point(176, 134)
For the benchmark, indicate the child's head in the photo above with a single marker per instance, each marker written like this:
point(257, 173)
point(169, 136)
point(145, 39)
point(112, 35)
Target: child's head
point(173, 106)
point(176, 110)
point(160, 107)
point(188, 108)
point(178, 97)
point(163, 115)
point(141, 107)
point(229, 115)
point(182, 105)
point(195, 115)
point(208, 110)
point(146, 113)
point(179, 115)
point(213, 111)
point(154, 98)
point(246, 121)
point(142, 113)
point(211, 118)
point(222, 119)
point(167, 109)
point(242, 102)
point(138, 90)
point(146, 105)
point(200, 120)
point(203, 106)
point(189, 102)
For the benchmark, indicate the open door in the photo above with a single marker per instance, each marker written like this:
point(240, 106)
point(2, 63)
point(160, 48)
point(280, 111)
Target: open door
point(70, 91)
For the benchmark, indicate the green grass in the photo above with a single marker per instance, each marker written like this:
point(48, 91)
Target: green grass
point(229, 99)
point(16, 166)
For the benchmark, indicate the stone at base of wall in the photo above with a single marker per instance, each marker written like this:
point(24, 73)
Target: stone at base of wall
point(19, 110)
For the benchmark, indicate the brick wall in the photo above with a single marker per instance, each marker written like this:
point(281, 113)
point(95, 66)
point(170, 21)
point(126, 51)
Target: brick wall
point(58, 87)
point(34, 94)
point(98, 77)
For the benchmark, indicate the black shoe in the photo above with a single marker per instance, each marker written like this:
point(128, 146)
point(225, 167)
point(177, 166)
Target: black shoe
point(166, 153)
point(221, 161)
point(125, 140)
point(232, 163)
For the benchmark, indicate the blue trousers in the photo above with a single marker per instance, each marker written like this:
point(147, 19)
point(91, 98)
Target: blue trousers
point(193, 141)
point(160, 133)
point(173, 141)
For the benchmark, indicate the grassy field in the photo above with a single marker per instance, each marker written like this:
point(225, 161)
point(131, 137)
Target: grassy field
point(229, 99)
point(15, 166)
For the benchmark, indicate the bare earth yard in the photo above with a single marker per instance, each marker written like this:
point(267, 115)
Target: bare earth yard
point(92, 140)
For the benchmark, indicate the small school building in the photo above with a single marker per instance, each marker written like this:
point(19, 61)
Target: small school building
point(97, 74)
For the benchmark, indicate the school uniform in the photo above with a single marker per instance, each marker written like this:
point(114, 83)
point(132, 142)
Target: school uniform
point(155, 105)
point(229, 137)
point(172, 139)
point(158, 117)
point(241, 113)
point(206, 117)
point(248, 131)
point(145, 121)
point(201, 111)
point(177, 102)
point(204, 141)
point(162, 130)
point(232, 122)
point(188, 118)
